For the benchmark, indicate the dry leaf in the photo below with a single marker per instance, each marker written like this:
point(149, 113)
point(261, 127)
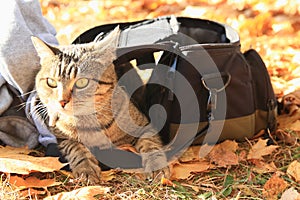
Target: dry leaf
point(82, 193)
point(32, 181)
point(191, 154)
point(108, 175)
point(274, 186)
point(295, 126)
point(294, 170)
point(8, 150)
point(205, 150)
point(290, 194)
point(223, 154)
point(247, 190)
point(167, 182)
point(24, 164)
point(262, 167)
point(287, 121)
point(31, 193)
point(260, 149)
point(243, 155)
point(286, 136)
point(184, 170)
point(17, 160)
point(290, 100)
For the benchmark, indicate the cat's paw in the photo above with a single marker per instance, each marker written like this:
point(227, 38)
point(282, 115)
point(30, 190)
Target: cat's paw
point(157, 175)
point(87, 171)
point(156, 166)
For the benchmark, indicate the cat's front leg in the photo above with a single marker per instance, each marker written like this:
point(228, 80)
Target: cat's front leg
point(154, 159)
point(82, 162)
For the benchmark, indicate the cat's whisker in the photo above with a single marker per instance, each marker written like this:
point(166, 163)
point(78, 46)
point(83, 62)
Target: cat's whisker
point(20, 106)
point(25, 94)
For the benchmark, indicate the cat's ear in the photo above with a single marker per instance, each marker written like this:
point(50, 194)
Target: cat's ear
point(111, 40)
point(43, 49)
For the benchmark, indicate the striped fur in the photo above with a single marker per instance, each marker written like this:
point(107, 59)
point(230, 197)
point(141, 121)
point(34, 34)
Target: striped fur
point(82, 117)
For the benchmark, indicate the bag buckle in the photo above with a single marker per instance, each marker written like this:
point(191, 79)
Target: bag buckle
point(213, 90)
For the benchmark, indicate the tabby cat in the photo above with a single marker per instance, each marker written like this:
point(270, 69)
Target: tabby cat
point(78, 86)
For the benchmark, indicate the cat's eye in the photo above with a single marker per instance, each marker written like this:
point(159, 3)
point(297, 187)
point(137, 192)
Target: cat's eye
point(82, 83)
point(51, 83)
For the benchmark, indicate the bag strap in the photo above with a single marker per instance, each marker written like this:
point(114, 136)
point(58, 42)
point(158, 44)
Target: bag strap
point(139, 39)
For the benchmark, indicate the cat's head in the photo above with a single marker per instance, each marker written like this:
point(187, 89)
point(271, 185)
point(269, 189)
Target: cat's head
point(70, 75)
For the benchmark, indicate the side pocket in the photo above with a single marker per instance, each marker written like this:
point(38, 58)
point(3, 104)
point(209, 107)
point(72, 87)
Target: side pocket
point(263, 91)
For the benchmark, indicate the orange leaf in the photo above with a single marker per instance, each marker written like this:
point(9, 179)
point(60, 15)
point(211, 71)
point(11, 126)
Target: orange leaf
point(31, 192)
point(274, 186)
point(286, 136)
point(167, 182)
point(184, 170)
point(32, 181)
point(223, 154)
point(108, 175)
point(82, 193)
point(289, 121)
point(191, 154)
point(260, 149)
point(17, 160)
point(8, 150)
point(262, 167)
point(24, 164)
point(294, 170)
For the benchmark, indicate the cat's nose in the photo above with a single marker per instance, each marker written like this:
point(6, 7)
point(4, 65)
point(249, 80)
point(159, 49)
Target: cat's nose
point(63, 103)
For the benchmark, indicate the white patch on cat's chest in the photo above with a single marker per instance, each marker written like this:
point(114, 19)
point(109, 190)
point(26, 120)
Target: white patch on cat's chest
point(52, 120)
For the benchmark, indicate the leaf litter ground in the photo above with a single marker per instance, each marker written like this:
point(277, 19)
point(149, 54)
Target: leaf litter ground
point(248, 170)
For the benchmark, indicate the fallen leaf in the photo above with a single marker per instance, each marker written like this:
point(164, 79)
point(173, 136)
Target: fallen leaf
point(262, 167)
point(223, 154)
point(260, 149)
point(289, 121)
point(8, 150)
point(32, 181)
point(82, 193)
point(108, 175)
point(294, 170)
point(247, 189)
point(243, 155)
point(295, 126)
point(31, 193)
point(205, 150)
point(191, 154)
point(290, 194)
point(286, 136)
point(24, 164)
point(274, 186)
point(167, 182)
point(290, 100)
point(184, 170)
point(16, 160)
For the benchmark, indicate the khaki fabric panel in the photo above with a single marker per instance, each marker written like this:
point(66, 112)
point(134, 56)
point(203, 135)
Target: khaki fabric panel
point(233, 129)
point(260, 120)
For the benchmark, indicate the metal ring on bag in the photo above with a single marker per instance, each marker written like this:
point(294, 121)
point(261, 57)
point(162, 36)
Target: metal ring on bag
point(216, 75)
